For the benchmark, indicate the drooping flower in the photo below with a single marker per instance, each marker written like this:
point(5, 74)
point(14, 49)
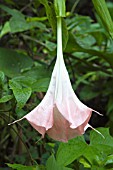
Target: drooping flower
point(60, 114)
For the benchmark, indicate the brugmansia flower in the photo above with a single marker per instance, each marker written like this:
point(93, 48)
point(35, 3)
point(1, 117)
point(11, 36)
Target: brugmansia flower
point(60, 114)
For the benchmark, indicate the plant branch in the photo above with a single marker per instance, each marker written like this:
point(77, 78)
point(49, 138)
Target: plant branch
point(32, 160)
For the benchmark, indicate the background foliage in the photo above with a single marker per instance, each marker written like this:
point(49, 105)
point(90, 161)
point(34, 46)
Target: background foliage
point(27, 57)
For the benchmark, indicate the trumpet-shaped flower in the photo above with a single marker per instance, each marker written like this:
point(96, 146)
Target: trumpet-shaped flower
point(60, 114)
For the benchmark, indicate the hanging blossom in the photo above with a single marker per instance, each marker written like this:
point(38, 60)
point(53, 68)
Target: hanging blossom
point(60, 114)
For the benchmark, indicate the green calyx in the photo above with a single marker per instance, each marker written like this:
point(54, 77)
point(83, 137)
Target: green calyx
point(60, 8)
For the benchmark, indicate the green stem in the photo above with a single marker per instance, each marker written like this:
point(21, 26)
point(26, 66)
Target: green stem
point(59, 39)
point(31, 159)
point(74, 6)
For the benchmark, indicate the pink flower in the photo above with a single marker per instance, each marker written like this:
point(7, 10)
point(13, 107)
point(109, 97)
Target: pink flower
point(60, 114)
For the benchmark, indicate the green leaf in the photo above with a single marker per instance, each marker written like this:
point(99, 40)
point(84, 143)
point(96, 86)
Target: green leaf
point(102, 11)
point(25, 81)
point(74, 46)
point(68, 152)
point(36, 24)
point(12, 12)
point(6, 98)
point(21, 94)
point(64, 34)
point(83, 161)
point(88, 93)
point(97, 168)
point(18, 23)
point(2, 77)
point(109, 160)
point(37, 85)
point(99, 149)
point(21, 167)
point(100, 143)
point(41, 85)
point(50, 12)
point(12, 62)
point(38, 72)
point(110, 8)
point(13, 84)
point(110, 104)
point(6, 29)
point(44, 2)
point(60, 8)
point(51, 164)
point(50, 45)
point(37, 79)
point(93, 155)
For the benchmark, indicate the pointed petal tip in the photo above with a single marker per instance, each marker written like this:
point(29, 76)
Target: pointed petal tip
point(40, 139)
point(97, 112)
point(97, 131)
point(15, 121)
